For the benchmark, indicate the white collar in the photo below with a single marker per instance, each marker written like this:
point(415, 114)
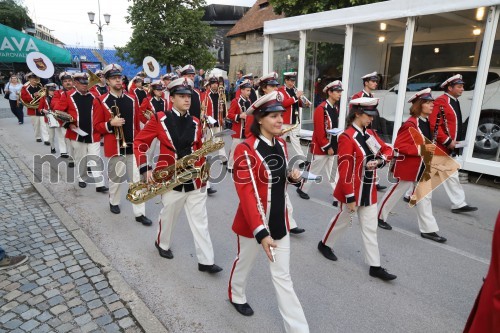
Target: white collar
point(366, 92)
point(111, 93)
point(453, 98)
point(157, 98)
point(178, 113)
point(423, 118)
point(328, 101)
point(358, 128)
point(266, 140)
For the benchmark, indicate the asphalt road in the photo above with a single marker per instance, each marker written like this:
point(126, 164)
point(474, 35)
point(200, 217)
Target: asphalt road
point(434, 291)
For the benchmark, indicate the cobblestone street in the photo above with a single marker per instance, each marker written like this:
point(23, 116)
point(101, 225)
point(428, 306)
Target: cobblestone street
point(60, 288)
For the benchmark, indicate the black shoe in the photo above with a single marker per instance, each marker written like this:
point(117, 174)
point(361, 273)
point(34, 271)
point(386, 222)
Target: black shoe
point(326, 251)
point(211, 190)
point(433, 236)
point(297, 230)
point(335, 203)
point(381, 187)
point(82, 184)
point(64, 156)
point(406, 199)
point(38, 140)
point(303, 194)
point(144, 220)
point(102, 144)
point(52, 150)
point(71, 164)
point(102, 189)
point(212, 269)
point(115, 209)
point(164, 253)
point(46, 143)
point(381, 273)
point(244, 309)
point(384, 225)
point(464, 209)
point(229, 170)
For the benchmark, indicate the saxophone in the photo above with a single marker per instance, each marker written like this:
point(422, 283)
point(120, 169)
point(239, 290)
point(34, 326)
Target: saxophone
point(167, 178)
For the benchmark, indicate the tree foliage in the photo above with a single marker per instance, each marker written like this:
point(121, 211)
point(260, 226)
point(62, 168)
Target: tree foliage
point(171, 31)
point(13, 14)
point(301, 7)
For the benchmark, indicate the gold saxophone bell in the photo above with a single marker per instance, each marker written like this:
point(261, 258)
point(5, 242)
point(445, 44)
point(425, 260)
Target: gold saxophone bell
point(167, 178)
point(93, 79)
point(118, 130)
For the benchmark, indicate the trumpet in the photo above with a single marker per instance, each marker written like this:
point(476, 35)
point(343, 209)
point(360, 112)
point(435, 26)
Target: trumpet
point(35, 102)
point(118, 130)
point(289, 129)
point(303, 98)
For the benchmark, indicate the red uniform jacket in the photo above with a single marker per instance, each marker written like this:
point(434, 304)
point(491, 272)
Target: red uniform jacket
point(322, 122)
point(157, 127)
point(485, 314)
point(96, 91)
point(444, 139)
point(248, 221)
point(148, 105)
point(45, 105)
point(351, 166)
point(27, 95)
point(102, 117)
point(213, 110)
point(57, 102)
point(288, 102)
point(407, 167)
point(253, 95)
point(234, 114)
point(80, 116)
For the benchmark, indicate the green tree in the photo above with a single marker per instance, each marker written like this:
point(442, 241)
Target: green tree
point(13, 14)
point(171, 31)
point(301, 7)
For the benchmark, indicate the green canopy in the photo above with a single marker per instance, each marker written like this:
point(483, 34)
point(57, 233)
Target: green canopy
point(15, 46)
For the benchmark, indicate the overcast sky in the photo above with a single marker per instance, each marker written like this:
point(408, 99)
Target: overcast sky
point(70, 24)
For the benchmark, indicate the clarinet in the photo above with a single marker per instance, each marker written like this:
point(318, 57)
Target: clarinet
point(260, 207)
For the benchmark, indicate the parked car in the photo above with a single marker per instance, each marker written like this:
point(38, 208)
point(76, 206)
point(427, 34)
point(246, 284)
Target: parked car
point(488, 130)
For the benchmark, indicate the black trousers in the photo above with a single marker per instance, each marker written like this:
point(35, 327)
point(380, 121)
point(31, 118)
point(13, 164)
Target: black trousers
point(17, 110)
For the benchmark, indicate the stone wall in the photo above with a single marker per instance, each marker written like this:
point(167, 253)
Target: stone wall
point(246, 54)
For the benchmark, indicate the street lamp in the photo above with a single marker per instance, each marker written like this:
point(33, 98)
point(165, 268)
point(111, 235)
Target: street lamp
point(107, 18)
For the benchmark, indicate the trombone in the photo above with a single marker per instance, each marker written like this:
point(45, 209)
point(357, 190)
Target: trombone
point(118, 130)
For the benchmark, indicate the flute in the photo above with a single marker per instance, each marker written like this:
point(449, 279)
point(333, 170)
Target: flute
point(260, 207)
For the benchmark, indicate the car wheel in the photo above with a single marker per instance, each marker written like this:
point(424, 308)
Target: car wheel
point(487, 135)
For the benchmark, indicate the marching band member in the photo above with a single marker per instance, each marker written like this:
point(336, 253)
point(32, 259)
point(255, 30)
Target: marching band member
point(132, 84)
point(292, 103)
point(237, 114)
point(210, 99)
point(59, 103)
point(117, 119)
point(179, 134)
point(370, 83)
point(360, 152)
point(30, 91)
point(82, 105)
point(166, 79)
point(450, 131)
point(44, 107)
point(138, 91)
point(260, 177)
point(410, 167)
point(253, 93)
point(188, 71)
point(324, 145)
point(100, 88)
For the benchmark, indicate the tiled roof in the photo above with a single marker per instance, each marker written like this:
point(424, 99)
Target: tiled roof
point(254, 19)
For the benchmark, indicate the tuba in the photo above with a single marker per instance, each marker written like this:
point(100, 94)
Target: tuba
point(167, 178)
point(35, 102)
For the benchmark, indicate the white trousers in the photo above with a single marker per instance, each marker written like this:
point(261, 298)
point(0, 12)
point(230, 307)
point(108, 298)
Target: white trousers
point(288, 303)
point(294, 140)
point(230, 163)
point(289, 207)
point(455, 191)
point(195, 207)
point(40, 128)
point(80, 152)
point(426, 220)
point(61, 143)
point(367, 216)
point(120, 169)
point(319, 162)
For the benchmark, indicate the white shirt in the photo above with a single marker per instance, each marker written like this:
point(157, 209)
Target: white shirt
point(15, 90)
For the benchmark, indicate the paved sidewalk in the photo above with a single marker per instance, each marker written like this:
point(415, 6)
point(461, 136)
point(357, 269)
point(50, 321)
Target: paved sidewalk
point(60, 288)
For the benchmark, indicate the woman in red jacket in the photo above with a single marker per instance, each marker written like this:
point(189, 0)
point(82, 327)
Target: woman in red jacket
point(260, 177)
point(360, 152)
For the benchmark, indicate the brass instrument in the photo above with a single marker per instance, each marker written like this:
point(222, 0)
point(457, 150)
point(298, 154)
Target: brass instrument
point(118, 130)
point(223, 121)
point(289, 129)
point(167, 178)
point(35, 102)
point(61, 115)
point(93, 79)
